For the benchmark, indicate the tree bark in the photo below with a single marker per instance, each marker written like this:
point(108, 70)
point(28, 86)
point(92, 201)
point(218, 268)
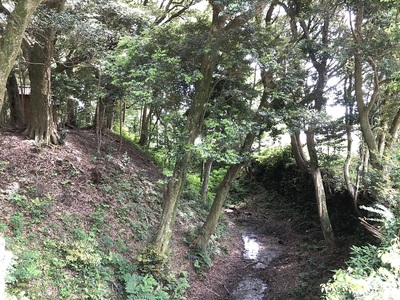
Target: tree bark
point(346, 169)
point(71, 112)
point(15, 101)
point(144, 128)
point(211, 222)
point(11, 39)
point(364, 109)
point(42, 126)
point(206, 179)
point(319, 191)
point(298, 153)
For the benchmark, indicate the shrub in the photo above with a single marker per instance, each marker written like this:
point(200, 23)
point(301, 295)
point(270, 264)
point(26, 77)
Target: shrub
point(373, 272)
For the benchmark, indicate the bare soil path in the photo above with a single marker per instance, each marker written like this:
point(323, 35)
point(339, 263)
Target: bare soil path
point(269, 256)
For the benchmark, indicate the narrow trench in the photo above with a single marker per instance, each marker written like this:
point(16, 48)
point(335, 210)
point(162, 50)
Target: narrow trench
point(260, 249)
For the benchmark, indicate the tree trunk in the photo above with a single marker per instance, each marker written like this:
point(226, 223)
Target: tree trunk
point(364, 109)
point(319, 191)
point(211, 222)
point(170, 205)
point(42, 126)
point(206, 179)
point(15, 101)
point(11, 39)
point(71, 112)
point(192, 129)
point(298, 153)
point(346, 169)
point(144, 128)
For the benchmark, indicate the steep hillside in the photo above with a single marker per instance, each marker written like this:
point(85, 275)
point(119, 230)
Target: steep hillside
point(73, 218)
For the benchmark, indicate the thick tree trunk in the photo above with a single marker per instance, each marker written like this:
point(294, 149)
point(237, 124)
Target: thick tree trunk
point(42, 126)
point(319, 191)
point(11, 39)
point(206, 179)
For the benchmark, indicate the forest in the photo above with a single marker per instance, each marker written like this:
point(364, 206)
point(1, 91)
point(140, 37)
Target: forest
point(139, 140)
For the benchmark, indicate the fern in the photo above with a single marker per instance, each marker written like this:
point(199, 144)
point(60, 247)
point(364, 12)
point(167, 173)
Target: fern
point(143, 288)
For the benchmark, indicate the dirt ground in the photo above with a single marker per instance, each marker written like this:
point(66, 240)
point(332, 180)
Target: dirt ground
point(292, 260)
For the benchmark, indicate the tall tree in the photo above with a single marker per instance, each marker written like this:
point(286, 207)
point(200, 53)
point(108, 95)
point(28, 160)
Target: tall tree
point(376, 43)
point(314, 20)
point(11, 37)
point(223, 20)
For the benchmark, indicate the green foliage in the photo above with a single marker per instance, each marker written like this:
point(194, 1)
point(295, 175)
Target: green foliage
point(82, 254)
point(143, 288)
point(192, 187)
point(177, 285)
point(35, 208)
point(373, 272)
point(202, 261)
point(25, 268)
point(17, 223)
point(149, 261)
point(276, 170)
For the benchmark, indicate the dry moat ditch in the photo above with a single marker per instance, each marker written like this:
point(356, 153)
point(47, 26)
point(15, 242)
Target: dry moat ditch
point(273, 254)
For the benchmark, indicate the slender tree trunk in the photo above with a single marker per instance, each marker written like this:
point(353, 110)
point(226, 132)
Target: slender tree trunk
point(11, 39)
point(100, 111)
point(15, 101)
point(144, 128)
point(319, 191)
point(71, 112)
point(211, 222)
point(363, 108)
point(346, 169)
point(298, 153)
point(206, 179)
point(192, 129)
